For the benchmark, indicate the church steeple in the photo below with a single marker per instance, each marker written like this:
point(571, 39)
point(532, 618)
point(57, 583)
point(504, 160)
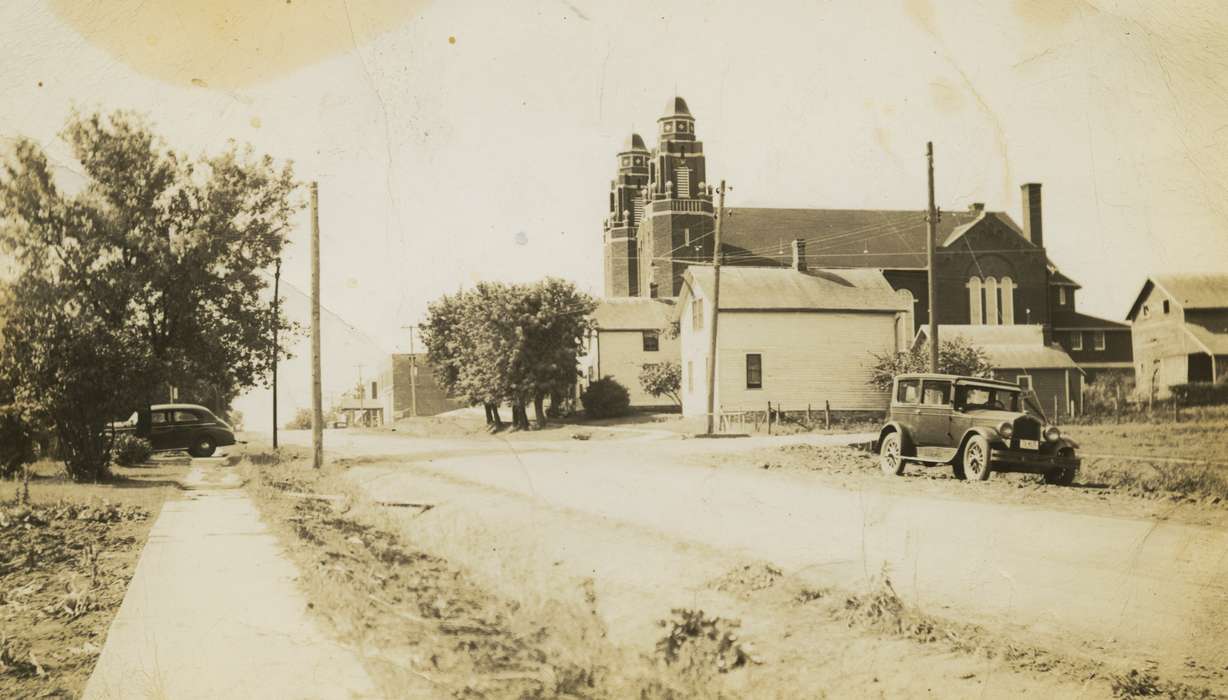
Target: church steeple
point(625, 213)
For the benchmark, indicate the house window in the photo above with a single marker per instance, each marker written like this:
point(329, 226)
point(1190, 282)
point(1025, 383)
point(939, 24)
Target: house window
point(1146, 310)
point(1165, 306)
point(1098, 340)
point(690, 376)
point(651, 341)
point(374, 390)
point(754, 371)
point(1024, 381)
point(1061, 296)
point(1076, 340)
point(908, 391)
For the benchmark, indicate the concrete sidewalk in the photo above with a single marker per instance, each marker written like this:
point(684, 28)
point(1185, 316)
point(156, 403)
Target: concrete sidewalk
point(213, 611)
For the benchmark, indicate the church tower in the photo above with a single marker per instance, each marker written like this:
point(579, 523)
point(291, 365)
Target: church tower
point(625, 213)
point(678, 216)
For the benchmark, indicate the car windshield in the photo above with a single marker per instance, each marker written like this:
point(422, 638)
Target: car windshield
point(970, 397)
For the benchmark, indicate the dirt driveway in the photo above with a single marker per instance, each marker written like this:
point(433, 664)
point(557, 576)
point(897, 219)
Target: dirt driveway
point(1098, 586)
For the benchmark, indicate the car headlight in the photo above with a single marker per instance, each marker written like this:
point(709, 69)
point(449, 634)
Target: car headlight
point(1052, 434)
point(1006, 430)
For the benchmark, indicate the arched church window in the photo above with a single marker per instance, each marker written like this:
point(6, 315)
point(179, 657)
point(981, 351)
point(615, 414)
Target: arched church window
point(975, 315)
point(991, 301)
point(1007, 285)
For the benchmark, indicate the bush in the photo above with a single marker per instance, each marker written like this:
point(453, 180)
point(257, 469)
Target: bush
point(17, 442)
point(605, 398)
point(130, 450)
point(301, 420)
point(1200, 394)
point(662, 379)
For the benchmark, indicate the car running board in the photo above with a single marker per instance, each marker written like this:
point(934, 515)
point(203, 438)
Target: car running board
point(934, 455)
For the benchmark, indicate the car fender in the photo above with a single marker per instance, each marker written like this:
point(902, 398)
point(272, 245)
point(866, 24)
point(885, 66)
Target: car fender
point(907, 447)
point(991, 436)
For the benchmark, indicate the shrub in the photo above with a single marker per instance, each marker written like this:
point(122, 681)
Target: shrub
point(605, 398)
point(17, 442)
point(955, 356)
point(130, 450)
point(662, 379)
point(1200, 394)
point(301, 420)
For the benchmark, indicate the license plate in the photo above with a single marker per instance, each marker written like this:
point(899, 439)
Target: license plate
point(1029, 444)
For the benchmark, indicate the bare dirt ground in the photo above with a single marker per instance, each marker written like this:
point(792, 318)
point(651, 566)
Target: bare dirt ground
point(459, 604)
point(65, 562)
point(1091, 586)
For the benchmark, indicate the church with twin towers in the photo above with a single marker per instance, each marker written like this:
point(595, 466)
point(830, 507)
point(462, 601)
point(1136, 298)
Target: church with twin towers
point(661, 214)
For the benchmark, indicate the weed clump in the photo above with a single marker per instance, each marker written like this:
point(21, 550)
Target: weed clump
point(698, 644)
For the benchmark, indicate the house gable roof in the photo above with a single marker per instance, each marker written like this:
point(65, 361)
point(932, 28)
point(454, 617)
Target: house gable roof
point(1073, 319)
point(779, 289)
point(633, 314)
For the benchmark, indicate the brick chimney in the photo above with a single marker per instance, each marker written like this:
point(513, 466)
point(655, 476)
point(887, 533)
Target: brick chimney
point(1033, 228)
point(976, 207)
point(799, 255)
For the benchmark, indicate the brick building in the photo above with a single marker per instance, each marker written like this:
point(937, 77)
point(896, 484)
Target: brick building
point(989, 269)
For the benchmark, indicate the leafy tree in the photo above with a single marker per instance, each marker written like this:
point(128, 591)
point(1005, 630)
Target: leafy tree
point(513, 343)
point(662, 379)
point(148, 277)
point(301, 420)
point(955, 356)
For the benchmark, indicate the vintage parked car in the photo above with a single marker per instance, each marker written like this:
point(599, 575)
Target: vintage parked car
point(171, 427)
point(978, 426)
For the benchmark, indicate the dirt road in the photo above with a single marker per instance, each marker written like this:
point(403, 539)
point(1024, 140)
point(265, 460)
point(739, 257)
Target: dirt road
point(1101, 586)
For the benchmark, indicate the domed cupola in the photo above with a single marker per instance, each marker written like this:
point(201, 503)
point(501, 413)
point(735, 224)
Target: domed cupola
point(677, 124)
point(634, 154)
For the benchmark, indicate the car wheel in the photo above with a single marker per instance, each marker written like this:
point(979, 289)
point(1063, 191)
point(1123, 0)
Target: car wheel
point(202, 447)
point(976, 458)
point(1063, 476)
point(890, 458)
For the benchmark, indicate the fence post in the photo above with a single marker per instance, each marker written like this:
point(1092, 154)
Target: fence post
point(827, 414)
point(809, 423)
point(769, 418)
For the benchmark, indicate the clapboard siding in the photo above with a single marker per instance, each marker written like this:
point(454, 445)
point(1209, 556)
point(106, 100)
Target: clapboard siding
point(620, 354)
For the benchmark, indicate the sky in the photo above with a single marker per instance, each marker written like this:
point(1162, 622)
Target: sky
point(460, 141)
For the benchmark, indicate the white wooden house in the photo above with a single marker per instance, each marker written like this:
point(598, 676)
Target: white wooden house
point(630, 333)
point(789, 336)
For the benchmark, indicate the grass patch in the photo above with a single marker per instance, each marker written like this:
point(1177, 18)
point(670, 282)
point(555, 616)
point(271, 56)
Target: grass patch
point(426, 627)
point(65, 562)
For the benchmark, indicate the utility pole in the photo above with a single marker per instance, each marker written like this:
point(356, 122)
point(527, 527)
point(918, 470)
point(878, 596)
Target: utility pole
point(317, 390)
point(716, 306)
point(931, 223)
point(413, 375)
point(362, 395)
point(276, 323)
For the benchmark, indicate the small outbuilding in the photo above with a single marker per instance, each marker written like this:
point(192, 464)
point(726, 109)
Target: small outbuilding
point(793, 337)
point(631, 332)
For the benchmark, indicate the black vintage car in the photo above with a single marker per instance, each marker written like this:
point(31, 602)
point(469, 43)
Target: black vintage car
point(171, 427)
point(978, 426)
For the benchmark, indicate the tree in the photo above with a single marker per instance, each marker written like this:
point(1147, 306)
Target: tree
point(150, 276)
point(662, 379)
point(301, 420)
point(513, 343)
point(955, 356)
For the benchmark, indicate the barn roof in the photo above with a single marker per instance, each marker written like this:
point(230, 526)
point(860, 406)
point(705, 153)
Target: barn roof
point(1008, 347)
point(1204, 291)
point(634, 314)
point(1215, 343)
point(780, 288)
